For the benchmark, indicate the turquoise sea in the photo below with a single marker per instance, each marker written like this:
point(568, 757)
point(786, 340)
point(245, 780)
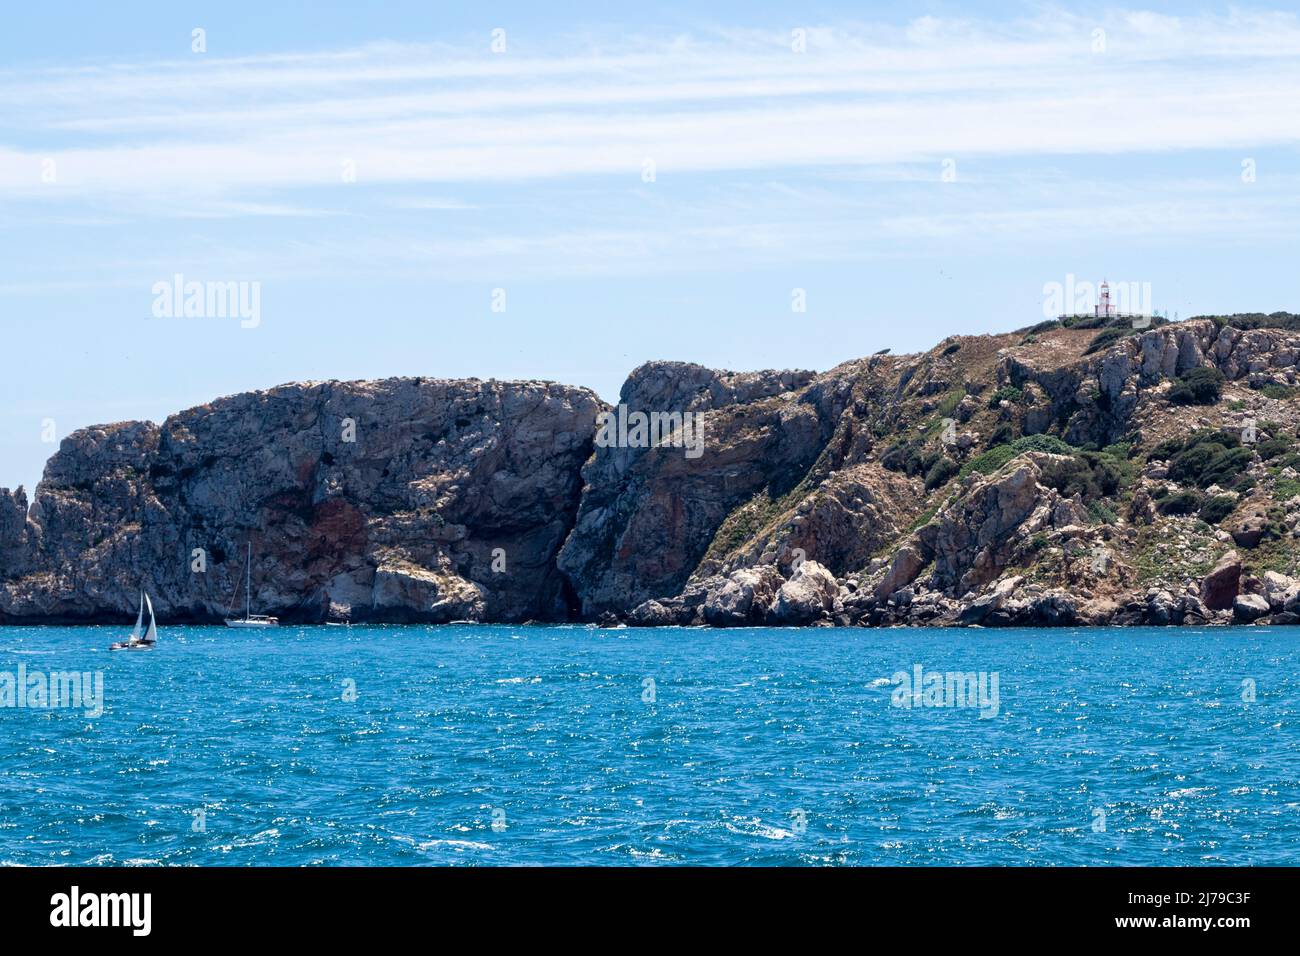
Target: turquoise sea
point(492, 745)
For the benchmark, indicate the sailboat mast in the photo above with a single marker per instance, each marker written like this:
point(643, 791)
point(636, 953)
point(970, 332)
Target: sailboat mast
point(248, 583)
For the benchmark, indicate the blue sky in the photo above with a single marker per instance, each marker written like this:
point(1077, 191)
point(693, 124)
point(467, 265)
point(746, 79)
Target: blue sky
point(379, 173)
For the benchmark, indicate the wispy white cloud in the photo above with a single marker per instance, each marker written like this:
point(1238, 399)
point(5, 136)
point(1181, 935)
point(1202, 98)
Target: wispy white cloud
point(762, 154)
point(859, 95)
point(763, 225)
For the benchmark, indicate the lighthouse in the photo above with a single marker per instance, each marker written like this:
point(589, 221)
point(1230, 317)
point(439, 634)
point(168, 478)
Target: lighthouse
point(1104, 308)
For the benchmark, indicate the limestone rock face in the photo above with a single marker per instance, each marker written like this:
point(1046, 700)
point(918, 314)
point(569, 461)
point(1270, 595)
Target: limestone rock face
point(1248, 607)
point(907, 564)
point(396, 500)
point(979, 610)
point(744, 597)
point(1221, 585)
point(652, 613)
point(808, 596)
point(649, 514)
point(1162, 609)
point(973, 539)
point(1098, 612)
point(1249, 531)
point(411, 592)
point(1119, 375)
point(1281, 590)
point(15, 545)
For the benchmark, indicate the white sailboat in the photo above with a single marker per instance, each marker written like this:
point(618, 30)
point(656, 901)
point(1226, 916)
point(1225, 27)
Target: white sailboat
point(140, 640)
point(250, 619)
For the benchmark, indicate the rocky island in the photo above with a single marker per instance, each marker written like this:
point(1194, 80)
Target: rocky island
point(1074, 472)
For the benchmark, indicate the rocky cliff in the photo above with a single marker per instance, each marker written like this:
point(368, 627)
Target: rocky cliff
point(1068, 473)
point(399, 500)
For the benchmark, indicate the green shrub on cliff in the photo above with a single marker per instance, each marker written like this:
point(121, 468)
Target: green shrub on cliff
point(1206, 457)
point(1281, 393)
point(1217, 508)
point(1254, 320)
point(997, 456)
point(1200, 386)
point(1286, 488)
point(1090, 474)
point(1047, 443)
point(1047, 326)
point(1166, 449)
point(989, 461)
point(904, 456)
point(940, 473)
point(1101, 513)
point(912, 458)
point(1270, 449)
point(1007, 393)
point(1210, 464)
point(1003, 434)
point(1182, 503)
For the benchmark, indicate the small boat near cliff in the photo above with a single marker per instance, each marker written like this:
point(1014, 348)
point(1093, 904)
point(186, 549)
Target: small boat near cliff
point(250, 619)
point(140, 639)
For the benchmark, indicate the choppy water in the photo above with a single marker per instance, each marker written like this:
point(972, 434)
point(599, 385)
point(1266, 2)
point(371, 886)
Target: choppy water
point(758, 747)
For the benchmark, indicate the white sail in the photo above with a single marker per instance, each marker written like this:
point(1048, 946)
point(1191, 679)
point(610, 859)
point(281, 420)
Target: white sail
point(137, 641)
point(152, 634)
point(139, 621)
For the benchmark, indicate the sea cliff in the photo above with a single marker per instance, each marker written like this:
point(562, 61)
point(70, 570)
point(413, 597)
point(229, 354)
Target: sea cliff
point(1074, 472)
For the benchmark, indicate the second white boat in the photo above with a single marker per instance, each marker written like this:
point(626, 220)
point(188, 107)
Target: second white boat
point(250, 619)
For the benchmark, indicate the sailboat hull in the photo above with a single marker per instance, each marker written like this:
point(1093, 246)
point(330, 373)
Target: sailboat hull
point(253, 623)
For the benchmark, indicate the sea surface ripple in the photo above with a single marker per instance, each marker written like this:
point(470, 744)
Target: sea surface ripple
point(493, 745)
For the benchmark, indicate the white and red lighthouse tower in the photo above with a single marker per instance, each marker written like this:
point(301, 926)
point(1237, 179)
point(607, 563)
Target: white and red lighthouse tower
point(1104, 306)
